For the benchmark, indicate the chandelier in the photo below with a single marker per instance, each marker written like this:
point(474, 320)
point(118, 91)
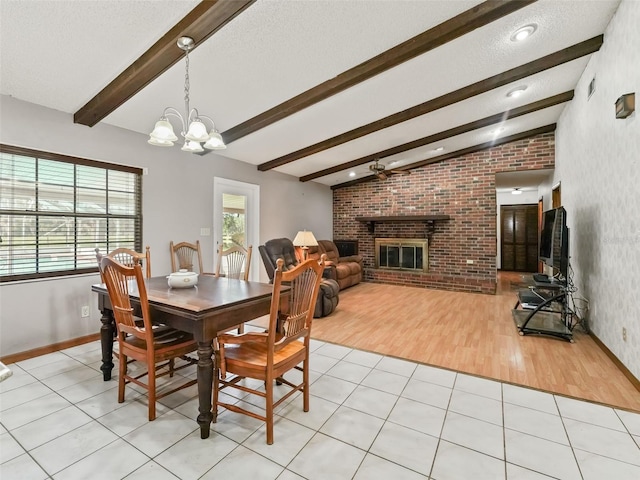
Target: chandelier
point(193, 130)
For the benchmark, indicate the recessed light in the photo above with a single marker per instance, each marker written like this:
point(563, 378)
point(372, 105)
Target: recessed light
point(516, 92)
point(352, 174)
point(524, 32)
point(439, 149)
point(497, 131)
point(516, 191)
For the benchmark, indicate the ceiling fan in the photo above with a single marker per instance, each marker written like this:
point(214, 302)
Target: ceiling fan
point(380, 170)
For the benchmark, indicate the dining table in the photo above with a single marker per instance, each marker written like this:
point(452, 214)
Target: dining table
point(214, 305)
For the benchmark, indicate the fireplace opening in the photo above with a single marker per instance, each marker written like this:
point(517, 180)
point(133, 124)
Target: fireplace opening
point(410, 254)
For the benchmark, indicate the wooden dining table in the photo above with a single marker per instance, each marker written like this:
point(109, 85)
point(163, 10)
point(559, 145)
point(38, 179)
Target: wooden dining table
point(216, 304)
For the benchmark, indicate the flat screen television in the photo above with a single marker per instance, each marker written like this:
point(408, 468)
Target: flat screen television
point(554, 241)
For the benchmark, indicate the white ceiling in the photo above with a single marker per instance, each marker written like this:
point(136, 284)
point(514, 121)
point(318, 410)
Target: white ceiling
point(60, 54)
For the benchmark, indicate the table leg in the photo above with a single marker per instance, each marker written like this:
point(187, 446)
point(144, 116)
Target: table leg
point(205, 383)
point(106, 339)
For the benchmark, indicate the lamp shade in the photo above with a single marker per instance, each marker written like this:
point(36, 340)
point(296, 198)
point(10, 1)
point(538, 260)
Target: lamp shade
point(215, 141)
point(160, 143)
point(197, 132)
point(190, 146)
point(305, 239)
point(163, 131)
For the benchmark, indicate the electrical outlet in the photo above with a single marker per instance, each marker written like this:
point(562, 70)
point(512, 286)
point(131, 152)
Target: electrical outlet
point(85, 311)
point(624, 334)
point(469, 262)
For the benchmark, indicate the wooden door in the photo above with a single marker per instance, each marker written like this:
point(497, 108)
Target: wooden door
point(519, 238)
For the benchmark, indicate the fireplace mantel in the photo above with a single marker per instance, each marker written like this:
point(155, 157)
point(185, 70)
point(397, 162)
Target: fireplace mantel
point(428, 219)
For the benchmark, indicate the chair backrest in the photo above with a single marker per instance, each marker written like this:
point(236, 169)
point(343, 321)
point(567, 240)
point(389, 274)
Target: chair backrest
point(118, 279)
point(236, 260)
point(183, 255)
point(292, 320)
point(129, 258)
point(277, 248)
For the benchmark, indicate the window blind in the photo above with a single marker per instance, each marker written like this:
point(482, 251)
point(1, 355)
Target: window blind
point(55, 210)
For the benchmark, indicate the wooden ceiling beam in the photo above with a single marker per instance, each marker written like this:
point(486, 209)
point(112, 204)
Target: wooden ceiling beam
point(552, 60)
point(452, 132)
point(200, 23)
point(457, 26)
point(458, 153)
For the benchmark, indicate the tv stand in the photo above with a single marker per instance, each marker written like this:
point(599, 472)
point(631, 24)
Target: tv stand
point(543, 309)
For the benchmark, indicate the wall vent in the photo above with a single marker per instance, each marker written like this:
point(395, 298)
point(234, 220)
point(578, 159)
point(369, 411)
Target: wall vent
point(592, 88)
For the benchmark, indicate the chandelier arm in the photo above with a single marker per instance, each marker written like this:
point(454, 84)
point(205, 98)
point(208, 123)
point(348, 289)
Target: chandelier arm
point(213, 124)
point(172, 112)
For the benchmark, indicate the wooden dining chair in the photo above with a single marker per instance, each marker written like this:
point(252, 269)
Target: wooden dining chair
point(267, 356)
point(236, 261)
point(184, 255)
point(128, 257)
point(157, 346)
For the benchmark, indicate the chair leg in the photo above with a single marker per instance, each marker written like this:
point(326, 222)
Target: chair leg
point(269, 409)
point(172, 364)
point(122, 371)
point(216, 390)
point(305, 381)
point(152, 389)
point(241, 329)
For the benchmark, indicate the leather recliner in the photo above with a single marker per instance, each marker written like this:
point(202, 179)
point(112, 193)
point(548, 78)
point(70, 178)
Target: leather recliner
point(283, 248)
point(348, 270)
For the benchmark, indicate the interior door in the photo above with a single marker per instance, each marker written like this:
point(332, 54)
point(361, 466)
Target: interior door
point(519, 238)
point(236, 211)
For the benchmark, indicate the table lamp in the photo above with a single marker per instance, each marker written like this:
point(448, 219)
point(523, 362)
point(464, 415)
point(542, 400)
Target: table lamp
point(304, 240)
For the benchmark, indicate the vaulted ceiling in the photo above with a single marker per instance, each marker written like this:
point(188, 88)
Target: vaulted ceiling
point(315, 89)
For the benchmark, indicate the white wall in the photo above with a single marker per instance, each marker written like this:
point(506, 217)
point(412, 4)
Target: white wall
point(598, 162)
point(177, 203)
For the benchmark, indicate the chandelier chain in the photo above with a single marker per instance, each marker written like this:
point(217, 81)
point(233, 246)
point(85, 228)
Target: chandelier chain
point(186, 82)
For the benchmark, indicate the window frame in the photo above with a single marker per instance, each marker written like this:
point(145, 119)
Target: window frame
point(76, 161)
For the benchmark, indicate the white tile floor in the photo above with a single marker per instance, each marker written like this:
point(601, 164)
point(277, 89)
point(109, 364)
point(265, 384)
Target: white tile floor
point(372, 417)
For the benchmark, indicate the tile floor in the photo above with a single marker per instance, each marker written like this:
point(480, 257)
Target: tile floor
point(371, 417)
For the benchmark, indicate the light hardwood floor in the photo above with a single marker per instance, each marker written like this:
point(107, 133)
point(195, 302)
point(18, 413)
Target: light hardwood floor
point(473, 333)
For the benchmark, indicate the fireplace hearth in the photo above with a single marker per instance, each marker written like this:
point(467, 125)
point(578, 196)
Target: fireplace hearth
point(408, 254)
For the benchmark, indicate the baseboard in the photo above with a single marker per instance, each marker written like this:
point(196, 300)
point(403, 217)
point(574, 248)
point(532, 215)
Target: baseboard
point(36, 352)
point(634, 381)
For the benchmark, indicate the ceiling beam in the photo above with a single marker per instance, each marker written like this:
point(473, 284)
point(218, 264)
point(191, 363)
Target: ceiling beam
point(457, 26)
point(553, 60)
point(468, 127)
point(458, 153)
point(200, 23)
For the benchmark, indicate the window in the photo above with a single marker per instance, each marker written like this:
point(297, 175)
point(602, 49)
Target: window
point(55, 210)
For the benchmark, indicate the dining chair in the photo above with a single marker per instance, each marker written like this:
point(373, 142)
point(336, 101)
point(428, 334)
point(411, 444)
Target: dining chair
point(236, 260)
point(157, 346)
point(129, 257)
point(184, 255)
point(267, 356)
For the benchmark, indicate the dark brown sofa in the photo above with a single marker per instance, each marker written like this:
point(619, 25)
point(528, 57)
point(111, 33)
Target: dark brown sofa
point(348, 270)
point(283, 248)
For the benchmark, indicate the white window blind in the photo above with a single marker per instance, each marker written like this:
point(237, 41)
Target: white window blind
point(55, 210)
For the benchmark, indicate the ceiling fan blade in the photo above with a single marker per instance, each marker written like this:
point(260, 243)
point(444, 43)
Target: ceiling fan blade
point(381, 175)
point(401, 172)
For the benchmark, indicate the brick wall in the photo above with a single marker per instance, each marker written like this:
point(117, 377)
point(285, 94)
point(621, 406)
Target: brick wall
point(464, 189)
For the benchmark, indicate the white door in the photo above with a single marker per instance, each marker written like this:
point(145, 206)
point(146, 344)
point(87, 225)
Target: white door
point(236, 218)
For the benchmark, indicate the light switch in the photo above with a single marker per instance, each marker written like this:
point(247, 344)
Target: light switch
point(205, 232)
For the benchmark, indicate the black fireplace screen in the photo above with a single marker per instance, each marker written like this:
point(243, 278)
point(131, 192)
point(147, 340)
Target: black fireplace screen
point(401, 254)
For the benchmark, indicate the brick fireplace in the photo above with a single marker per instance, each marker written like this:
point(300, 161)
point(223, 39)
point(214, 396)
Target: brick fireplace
point(462, 188)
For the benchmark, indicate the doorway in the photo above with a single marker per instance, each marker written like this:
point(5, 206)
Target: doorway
point(236, 218)
point(519, 238)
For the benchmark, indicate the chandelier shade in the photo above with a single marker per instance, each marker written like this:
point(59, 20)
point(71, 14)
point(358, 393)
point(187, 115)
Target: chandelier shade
point(193, 129)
